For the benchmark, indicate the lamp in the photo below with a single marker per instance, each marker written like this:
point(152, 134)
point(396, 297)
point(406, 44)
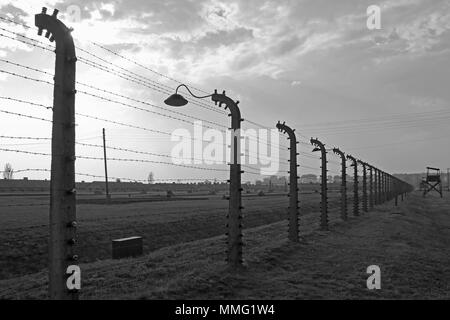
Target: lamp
point(177, 100)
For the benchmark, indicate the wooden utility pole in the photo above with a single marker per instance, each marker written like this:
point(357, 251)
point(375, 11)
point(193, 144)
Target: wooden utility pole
point(293, 182)
point(62, 186)
point(108, 197)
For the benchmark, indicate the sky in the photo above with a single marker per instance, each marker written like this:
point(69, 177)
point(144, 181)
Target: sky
point(380, 95)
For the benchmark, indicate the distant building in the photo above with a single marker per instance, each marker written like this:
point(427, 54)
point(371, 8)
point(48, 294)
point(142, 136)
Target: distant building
point(275, 181)
point(98, 187)
point(309, 178)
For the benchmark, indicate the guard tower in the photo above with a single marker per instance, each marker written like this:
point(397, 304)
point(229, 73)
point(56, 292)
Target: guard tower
point(433, 181)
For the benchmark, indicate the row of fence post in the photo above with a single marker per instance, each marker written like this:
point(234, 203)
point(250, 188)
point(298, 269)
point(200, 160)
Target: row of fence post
point(378, 187)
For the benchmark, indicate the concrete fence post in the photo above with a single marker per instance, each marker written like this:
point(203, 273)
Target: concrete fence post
point(371, 195)
point(396, 185)
point(293, 183)
point(319, 146)
point(355, 185)
point(364, 187)
point(343, 183)
point(380, 187)
point(63, 222)
point(375, 185)
point(385, 186)
point(234, 217)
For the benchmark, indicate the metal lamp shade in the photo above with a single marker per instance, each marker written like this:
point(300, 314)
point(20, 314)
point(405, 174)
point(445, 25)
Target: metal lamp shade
point(176, 100)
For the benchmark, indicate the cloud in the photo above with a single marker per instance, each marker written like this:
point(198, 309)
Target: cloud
point(156, 16)
point(119, 47)
point(312, 59)
point(427, 103)
point(224, 38)
point(287, 45)
point(13, 11)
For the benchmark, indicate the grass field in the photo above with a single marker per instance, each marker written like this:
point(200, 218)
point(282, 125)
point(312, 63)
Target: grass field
point(24, 229)
point(409, 243)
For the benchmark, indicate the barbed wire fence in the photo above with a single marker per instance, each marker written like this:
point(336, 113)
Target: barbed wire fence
point(25, 210)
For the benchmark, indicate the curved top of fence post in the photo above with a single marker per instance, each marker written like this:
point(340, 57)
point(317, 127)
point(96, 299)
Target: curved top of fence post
point(229, 103)
point(282, 127)
point(353, 159)
point(56, 30)
point(338, 152)
point(364, 164)
point(316, 142)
